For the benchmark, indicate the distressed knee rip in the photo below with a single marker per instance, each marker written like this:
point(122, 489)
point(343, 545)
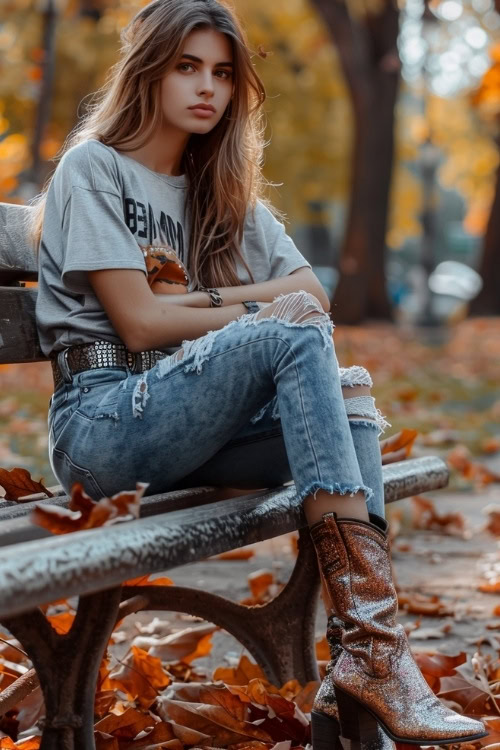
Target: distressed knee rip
point(298, 309)
point(361, 409)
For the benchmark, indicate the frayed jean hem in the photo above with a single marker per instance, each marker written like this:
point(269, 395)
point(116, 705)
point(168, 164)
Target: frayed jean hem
point(336, 488)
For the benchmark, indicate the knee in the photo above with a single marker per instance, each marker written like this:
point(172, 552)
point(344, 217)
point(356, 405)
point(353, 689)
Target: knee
point(360, 406)
point(297, 307)
point(354, 379)
point(356, 385)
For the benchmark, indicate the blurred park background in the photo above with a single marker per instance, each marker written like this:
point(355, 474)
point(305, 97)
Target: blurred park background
point(383, 127)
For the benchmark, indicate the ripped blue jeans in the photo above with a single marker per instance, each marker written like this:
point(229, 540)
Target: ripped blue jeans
point(254, 404)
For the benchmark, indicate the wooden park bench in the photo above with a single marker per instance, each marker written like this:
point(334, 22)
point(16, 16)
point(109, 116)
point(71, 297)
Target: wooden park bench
point(175, 528)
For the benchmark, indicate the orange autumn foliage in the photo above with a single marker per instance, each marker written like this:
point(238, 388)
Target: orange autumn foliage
point(403, 440)
point(148, 581)
point(18, 483)
point(459, 458)
point(62, 622)
point(85, 513)
point(425, 516)
point(140, 676)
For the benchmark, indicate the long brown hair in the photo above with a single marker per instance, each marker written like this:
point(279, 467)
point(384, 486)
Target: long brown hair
point(223, 167)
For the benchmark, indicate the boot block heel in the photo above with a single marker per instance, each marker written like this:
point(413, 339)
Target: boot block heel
point(356, 724)
point(325, 732)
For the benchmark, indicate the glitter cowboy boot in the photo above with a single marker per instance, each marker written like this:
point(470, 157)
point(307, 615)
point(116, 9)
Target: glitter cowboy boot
point(325, 728)
point(376, 679)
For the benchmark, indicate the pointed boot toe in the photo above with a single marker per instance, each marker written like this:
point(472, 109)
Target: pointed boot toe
point(406, 709)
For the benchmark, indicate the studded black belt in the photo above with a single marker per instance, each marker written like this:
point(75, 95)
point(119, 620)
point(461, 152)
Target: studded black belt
point(101, 354)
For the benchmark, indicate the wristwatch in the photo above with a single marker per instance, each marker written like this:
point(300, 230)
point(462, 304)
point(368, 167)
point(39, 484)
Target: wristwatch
point(251, 306)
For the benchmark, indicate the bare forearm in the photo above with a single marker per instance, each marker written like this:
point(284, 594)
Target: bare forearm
point(267, 291)
point(170, 324)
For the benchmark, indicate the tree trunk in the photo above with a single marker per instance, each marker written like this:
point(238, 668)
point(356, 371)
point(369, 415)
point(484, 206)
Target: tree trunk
point(488, 300)
point(49, 14)
point(371, 65)
point(91, 9)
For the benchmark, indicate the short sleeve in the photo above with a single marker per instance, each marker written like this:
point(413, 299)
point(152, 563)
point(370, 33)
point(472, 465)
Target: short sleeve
point(95, 237)
point(268, 249)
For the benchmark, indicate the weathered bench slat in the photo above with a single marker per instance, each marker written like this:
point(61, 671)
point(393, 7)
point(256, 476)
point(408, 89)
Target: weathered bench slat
point(18, 260)
point(176, 500)
point(40, 571)
point(401, 480)
point(18, 332)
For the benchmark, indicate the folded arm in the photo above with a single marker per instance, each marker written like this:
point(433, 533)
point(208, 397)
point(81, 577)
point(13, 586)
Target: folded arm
point(144, 320)
point(265, 291)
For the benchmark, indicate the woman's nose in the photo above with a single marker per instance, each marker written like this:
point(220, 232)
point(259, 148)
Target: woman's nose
point(206, 85)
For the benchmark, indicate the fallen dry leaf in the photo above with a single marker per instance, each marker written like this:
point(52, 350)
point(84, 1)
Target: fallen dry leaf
point(403, 439)
point(161, 735)
point(240, 675)
point(435, 666)
point(259, 582)
point(280, 717)
point(222, 727)
point(140, 676)
point(490, 445)
point(105, 741)
point(236, 554)
point(62, 622)
point(148, 581)
point(104, 702)
point(127, 725)
point(184, 645)
point(187, 735)
point(215, 695)
point(32, 743)
point(423, 604)
point(322, 650)
point(425, 516)
point(263, 587)
point(18, 483)
point(425, 634)
point(493, 522)
point(460, 459)
point(85, 513)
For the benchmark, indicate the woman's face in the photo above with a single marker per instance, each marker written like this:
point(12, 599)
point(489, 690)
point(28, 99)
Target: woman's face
point(196, 92)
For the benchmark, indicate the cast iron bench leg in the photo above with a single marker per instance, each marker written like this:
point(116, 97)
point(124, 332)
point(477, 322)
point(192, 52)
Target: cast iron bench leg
point(279, 635)
point(68, 665)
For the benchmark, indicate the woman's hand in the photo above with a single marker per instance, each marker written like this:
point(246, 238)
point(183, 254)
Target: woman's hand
point(391, 456)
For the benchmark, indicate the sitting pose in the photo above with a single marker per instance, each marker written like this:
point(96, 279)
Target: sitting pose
point(191, 344)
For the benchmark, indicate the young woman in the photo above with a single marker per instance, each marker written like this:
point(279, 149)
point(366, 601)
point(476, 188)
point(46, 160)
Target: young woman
point(186, 331)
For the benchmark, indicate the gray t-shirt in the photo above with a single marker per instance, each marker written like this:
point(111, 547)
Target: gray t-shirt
point(102, 209)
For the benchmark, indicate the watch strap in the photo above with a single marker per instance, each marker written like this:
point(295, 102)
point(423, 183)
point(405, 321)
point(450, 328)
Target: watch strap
point(252, 306)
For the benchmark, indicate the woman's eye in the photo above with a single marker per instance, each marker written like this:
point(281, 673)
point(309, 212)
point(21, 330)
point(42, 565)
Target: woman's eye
point(185, 67)
point(224, 74)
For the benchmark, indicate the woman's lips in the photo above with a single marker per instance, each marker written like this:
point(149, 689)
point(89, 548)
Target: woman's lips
point(201, 111)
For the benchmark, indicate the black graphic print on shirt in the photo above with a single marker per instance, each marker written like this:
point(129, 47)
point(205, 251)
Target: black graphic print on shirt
point(142, 222)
